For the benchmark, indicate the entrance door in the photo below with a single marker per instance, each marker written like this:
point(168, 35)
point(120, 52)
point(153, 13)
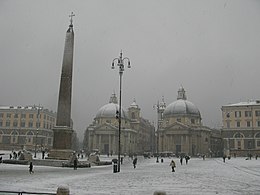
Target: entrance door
point(178, 149)
point(106, 148)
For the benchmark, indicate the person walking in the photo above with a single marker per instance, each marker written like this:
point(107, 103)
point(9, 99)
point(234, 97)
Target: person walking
point(134, 162)
point(172, 164)
point(187, 158)
point(224, 158)
point(75, 163)
point(181, 160)
point(31, 168)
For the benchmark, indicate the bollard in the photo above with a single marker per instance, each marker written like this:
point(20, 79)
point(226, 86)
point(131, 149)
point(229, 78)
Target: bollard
point(162, 160)
point(159, 193)
point(62, 190)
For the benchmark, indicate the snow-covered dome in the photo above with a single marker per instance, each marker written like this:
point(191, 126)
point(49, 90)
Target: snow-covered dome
point(109, 110)
point(181, 107)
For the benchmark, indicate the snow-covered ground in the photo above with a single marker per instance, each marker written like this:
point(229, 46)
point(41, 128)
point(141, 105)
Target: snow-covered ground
point(209, 176)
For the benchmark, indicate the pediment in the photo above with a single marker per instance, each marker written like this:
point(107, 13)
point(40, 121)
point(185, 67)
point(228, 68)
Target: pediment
point(177, 126)
point(105, 126)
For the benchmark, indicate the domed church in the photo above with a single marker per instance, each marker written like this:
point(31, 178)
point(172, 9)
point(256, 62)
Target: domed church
point(181, 130)
point(137, 134)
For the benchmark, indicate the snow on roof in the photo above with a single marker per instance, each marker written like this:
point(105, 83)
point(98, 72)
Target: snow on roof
point(248, 103)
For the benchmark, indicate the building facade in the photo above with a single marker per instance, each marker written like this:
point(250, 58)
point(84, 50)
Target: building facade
point(28, 127)
point(182, 131)
point(102, 135)
point(241, 128)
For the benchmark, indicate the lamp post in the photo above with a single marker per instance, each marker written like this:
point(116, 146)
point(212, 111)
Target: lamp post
point(37, 126)
point(35, 144)
point(157, 106)
point(120, 63)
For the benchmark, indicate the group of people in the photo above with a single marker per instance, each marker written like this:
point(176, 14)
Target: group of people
point(173, 164)
point(187, 158)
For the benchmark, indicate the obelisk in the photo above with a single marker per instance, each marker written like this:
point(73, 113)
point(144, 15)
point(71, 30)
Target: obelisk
point(62, 141)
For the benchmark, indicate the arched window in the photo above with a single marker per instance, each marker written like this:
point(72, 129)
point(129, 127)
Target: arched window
point(257, 137)
point(238, 135)
point(239, 141)
point(29, 137)
point(14, 137)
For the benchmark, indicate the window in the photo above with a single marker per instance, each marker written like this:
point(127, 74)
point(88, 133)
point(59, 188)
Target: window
point(179, 119)
point(192, 121)
point(248, 123)
point(23, 124)
point(15, 124)
point(238, 123)
point(30, 124)
point(23, 116)
point(1, 115)
point(249, 144)
point(7, 124)
point(14, 137)
point(238, 135)
point(30, 115)
point(258, 143)
point(1, 123)
point(258, 123)
point(133, 115)
point(257, 113)
point(238, 114)
point(228, 124)
point(238, 144)
point(8, 115)
point(248, 113)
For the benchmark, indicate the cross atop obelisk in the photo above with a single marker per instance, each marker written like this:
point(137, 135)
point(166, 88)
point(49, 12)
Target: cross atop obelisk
point(71, 17)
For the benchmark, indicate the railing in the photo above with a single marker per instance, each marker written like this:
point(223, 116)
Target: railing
point(23, 192)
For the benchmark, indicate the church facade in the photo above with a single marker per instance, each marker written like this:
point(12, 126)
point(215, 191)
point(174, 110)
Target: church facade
point(181, 130)
point(137, 134)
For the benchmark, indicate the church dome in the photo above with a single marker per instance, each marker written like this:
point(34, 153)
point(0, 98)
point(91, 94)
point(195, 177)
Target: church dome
point(109, 110)
point(181, 107)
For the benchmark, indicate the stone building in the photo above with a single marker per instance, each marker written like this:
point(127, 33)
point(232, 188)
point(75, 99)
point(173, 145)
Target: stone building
point(137, 134)
point(182, 131)
point(241, 128)
point(26, 127)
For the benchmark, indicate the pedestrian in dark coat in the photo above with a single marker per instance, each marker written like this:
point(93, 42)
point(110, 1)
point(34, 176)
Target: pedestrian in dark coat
point(172, 164)
point(224, 158)
point(187, 158)
point(75, 162)
point(134, 162)
point(181, 160)
point(31, 168)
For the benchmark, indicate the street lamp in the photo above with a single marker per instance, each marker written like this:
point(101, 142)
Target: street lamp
point(35, 144)
point(37, 126)
point(120, 63)
point(157, 106)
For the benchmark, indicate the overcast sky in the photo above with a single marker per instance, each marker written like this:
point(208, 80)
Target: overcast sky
point(210, 47)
